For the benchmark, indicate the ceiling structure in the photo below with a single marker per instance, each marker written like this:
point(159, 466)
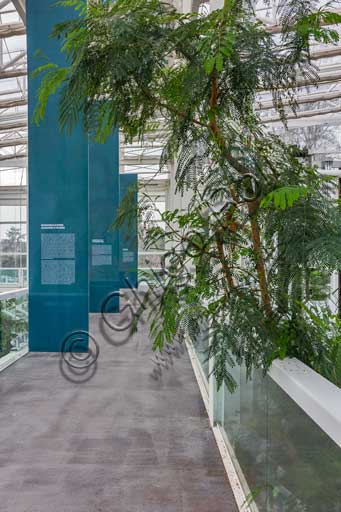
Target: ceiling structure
point(316, 105)
point(13, 102)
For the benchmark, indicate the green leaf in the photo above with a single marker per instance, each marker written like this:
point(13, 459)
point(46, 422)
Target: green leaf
point(209, 65)
point(50, 83)
point(284, 197)
point(311, 25)
point(228, 44)
point(219, 62)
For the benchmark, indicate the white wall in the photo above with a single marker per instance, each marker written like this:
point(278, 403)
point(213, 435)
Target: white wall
point(216, 4)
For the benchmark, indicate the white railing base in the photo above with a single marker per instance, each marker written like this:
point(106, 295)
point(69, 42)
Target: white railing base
point(315, 395)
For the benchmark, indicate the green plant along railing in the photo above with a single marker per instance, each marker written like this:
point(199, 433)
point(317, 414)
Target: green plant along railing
point(259, 217)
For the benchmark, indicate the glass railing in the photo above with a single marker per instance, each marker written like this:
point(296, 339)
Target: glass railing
point(13, 321)
point(285, 461)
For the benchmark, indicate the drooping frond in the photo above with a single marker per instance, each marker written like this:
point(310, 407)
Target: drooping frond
point(260, 221)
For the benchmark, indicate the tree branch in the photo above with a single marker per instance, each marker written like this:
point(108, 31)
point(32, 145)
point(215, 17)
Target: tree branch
point(252, 206)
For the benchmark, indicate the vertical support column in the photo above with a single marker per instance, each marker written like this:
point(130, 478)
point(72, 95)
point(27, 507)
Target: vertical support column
point(58, 204)
point(128, 241)
point(104, 200)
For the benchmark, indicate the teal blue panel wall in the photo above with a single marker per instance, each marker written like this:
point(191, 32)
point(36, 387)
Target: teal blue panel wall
point(58, 204)
point(104, 200)
point(128, 240)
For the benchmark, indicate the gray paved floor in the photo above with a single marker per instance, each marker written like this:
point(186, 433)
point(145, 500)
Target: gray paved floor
point(124, 441)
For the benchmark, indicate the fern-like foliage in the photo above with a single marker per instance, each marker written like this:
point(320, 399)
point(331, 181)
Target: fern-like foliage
point(259, 220)
point(284, 197)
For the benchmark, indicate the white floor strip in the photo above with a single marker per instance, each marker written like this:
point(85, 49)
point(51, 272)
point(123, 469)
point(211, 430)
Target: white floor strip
point(230, 469)
point(198, 375)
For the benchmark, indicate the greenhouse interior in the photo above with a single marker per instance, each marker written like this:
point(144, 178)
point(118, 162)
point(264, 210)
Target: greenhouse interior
point(170, 242)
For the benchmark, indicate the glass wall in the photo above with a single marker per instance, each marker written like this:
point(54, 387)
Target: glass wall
point(13, 229)
point(286, 463)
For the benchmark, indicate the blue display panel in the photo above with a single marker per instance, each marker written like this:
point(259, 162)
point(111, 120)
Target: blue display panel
point(58, 204)
point(104, 242)
point(128, 235)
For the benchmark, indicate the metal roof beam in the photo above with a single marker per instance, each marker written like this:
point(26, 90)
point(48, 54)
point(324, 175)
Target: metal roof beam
point(304, 114)
point(19, 161)
point(12, 29)
point(144, 161)
point(6, 143)
point(326, 54)
point(21, 8)
point(13, 73)
point(307, 98)
point(15, 59)
point(13, 195)
point(322, 79)
point(12, 157)
point(13, 103)
point(4, 127)
point(4, 3)
point(10, 92)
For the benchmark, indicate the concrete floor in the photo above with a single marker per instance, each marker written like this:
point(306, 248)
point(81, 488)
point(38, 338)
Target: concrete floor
point(126, 440)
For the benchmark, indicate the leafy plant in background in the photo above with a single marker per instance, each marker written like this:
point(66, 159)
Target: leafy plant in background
point(259, 218)
point(13, 324)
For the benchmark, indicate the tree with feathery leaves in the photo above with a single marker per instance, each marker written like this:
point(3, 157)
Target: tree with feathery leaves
point(259, 218)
